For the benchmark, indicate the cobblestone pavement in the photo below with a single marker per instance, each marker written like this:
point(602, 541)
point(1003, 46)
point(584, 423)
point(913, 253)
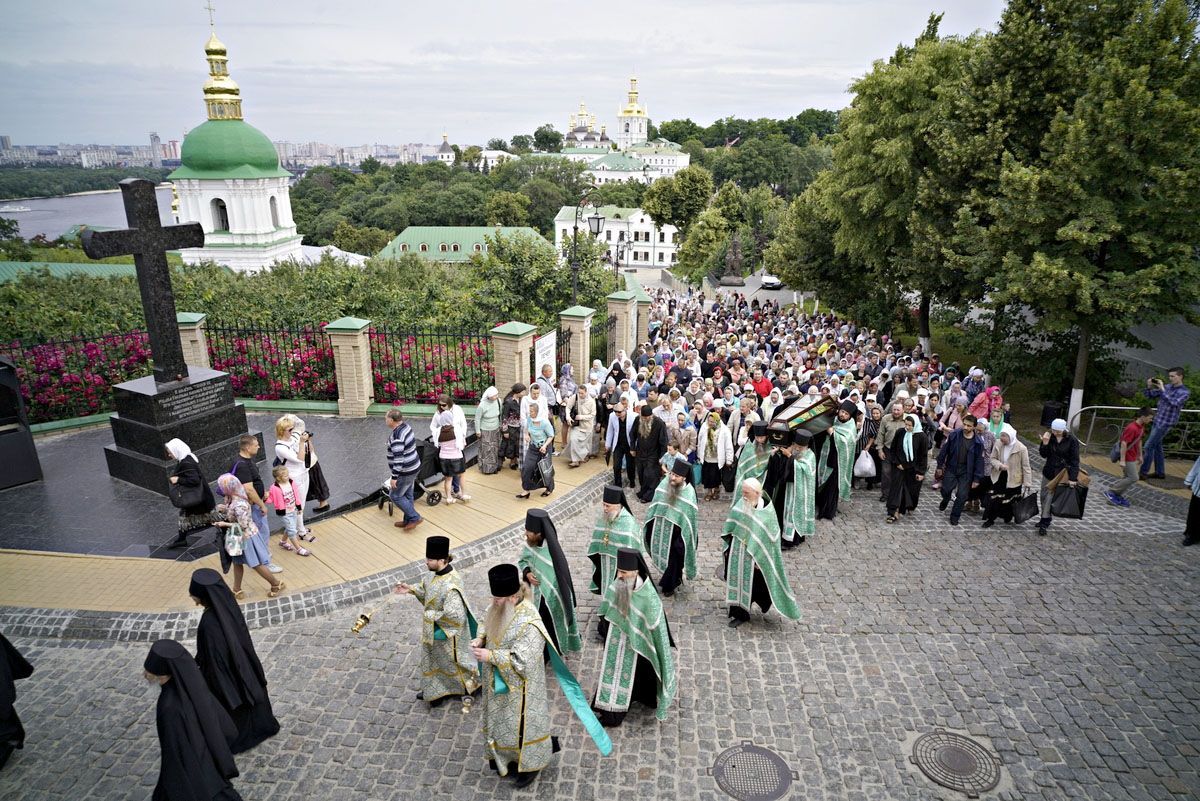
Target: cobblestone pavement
point(1074, 656)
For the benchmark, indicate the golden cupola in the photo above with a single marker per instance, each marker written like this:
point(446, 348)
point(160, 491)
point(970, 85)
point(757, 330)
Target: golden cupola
point(222, 97)
point(632, 107)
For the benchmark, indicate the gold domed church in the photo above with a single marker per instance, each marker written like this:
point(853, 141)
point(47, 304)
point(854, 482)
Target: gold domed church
point(231, 183)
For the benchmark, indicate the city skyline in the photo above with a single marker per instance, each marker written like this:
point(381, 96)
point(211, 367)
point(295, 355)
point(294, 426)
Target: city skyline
point(359, 79)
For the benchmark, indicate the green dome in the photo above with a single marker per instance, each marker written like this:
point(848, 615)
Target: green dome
point(228, 149)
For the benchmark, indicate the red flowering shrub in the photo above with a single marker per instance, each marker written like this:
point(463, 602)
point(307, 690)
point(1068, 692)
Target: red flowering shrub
point(417, 367)
point(73, 378)
point(275, 365)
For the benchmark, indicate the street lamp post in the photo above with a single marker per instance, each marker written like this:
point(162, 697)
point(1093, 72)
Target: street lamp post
point(596, 226)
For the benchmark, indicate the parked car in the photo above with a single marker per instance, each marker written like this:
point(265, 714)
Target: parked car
point(771, 281)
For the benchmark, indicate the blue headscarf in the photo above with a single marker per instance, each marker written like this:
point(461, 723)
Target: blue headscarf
point(908, 436)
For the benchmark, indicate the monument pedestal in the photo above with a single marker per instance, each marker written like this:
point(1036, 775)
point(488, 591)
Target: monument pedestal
point(200, 410)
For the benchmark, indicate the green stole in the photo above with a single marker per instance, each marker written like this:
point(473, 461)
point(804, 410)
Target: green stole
point(846, 435)
point(801, 509)
point(606, 539)
point(644, 634)
point(664, 516)
point(751, 464)
point(752, 541)
point(562, 611)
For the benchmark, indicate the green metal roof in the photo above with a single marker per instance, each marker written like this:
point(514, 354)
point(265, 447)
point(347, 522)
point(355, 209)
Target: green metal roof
point(567, 213)
point(617, 161)
point(11, 270)
point(228, 149)
point(583, 151)
point(465, 237)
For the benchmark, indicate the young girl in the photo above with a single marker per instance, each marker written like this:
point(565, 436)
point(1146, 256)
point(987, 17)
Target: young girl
point(450, 452)
point(285, 497)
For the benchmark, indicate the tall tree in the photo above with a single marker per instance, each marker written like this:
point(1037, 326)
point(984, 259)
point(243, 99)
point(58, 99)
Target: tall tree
point(678, 200)
point(546, 139)
point(521, 144)
point(507, 208)
point(497, 144)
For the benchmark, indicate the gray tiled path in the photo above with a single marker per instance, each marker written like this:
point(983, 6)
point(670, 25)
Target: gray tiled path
point(1075, 656)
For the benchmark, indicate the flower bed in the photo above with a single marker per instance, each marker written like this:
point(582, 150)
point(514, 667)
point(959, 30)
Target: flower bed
point(273, 364)
point(416, 367)
point(61, 379)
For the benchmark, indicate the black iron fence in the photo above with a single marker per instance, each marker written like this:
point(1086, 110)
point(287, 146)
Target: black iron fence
point(274, 363)
point(415, 365)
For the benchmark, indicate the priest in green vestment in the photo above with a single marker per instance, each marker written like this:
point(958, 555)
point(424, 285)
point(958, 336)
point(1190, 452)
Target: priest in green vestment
point(616, 528)
point(845, 436)
point(447, 626)
point(638, 665)
point(754, 572)
point(800, 513)
point(752, 462)
point(544, 568)
point(670, 530)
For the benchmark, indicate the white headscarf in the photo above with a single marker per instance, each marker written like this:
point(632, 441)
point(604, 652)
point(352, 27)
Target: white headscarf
point(180, 451)
point(491, 393)
point(1006, 450)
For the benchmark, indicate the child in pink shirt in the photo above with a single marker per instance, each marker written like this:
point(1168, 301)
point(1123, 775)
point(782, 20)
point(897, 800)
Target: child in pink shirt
point(285, 497)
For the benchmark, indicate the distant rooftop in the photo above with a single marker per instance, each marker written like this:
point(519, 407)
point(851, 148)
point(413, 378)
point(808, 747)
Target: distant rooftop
point(454, 243)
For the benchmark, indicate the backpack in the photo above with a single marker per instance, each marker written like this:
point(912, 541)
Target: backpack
point(1114, 455)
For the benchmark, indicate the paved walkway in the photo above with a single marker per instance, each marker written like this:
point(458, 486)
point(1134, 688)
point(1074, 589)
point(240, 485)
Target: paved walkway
point(1075, 656)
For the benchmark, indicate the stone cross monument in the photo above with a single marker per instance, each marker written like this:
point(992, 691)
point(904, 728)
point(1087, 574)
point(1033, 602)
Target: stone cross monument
point(194, 403)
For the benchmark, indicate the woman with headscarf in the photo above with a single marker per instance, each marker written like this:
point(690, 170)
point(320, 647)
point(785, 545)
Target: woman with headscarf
point(714, 449)
point(190, 478)
point(229, 663)
point(909, 457)
point(866, 442)
point(236, 511)
point(487, 425)
point(770, 403)
point(510, 426)
point(193, 730)
point(1012, 478)
point(985, 403)
point(597, 371)
point(567, 387)
point(683, 434)
point(579, 409)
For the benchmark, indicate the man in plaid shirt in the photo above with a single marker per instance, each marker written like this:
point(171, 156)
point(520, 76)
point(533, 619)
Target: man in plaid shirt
point(1171, 398)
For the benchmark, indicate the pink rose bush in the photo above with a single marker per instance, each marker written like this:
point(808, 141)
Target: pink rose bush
point(275, 365)
point(416, 368)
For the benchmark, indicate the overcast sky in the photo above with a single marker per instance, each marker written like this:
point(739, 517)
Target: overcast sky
point(355, 73)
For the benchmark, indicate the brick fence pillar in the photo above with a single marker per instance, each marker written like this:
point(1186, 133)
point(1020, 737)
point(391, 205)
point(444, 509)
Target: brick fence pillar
point(511, 346)
point(578, 320)
point(193, 338)
point(352, 365)
point(623, 306)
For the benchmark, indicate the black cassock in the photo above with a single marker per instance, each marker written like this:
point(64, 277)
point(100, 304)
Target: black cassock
point(827, 491)
point(781, 471)
point(12, 667)
point(229, 664)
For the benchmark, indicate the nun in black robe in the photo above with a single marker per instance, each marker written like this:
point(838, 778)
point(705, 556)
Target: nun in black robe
point(228, 662)
point(827, 490)
point(781, 471)
point(193, 730)
point(12, 667)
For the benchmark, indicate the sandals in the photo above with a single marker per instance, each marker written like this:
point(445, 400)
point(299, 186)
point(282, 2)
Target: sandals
point(464, 498)
point(275, 590)
point(452, 499)
point(304, 552)
point(308, 535)
point(891, 519)
point(546, 494)
point(239, 595)
point(287, 545)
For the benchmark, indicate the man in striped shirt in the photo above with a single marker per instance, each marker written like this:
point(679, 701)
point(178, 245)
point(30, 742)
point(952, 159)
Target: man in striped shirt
point(404, 463)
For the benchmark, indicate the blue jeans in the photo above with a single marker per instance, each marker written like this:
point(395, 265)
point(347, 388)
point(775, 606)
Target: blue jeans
point(951, 482)
point(402, 496)
point(1154, 450)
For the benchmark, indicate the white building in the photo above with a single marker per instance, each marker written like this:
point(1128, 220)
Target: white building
point(631, 238)
point(663, 158)
point(231, 183)
point(445, 153)
point(492, 158)
point(633, 120)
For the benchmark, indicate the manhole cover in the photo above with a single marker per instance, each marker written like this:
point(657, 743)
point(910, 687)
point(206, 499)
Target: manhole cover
point(957, 762)
point(750, 772)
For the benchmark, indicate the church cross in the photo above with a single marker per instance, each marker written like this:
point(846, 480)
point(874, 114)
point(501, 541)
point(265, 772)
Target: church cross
point(148, 241)
point(209, 8)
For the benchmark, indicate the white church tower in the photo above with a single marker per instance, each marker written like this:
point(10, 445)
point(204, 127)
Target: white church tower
point(231, 183)
point(633, 121)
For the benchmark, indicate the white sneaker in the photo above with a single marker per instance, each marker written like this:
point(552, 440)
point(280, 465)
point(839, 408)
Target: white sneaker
point(452, 499)
point(464, 497)
point(274, 568)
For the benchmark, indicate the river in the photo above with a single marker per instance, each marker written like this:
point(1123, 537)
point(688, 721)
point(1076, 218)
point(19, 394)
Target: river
point(52, 216)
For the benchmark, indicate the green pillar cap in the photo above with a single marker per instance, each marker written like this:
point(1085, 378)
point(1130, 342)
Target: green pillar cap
point(513, 329)
point(347, 325)
point(189, 318)
point(577, 311)
point(625, 295)
point(635, 286)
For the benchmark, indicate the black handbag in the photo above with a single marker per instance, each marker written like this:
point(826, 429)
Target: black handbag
point(185, 497)
point(1067, 501)
point(1025, 508)
point(728, 474)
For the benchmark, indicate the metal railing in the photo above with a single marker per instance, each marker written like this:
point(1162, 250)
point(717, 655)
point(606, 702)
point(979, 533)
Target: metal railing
point(1098, 427)
point(417, 365)
point(64, 378)
point(274, 363)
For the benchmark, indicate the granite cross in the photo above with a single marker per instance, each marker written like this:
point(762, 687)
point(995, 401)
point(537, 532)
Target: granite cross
point(149, 242)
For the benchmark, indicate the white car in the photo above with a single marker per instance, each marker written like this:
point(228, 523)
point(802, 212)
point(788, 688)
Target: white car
point(771, 281)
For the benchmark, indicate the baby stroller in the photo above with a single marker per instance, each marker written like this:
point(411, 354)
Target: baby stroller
point(429, 477)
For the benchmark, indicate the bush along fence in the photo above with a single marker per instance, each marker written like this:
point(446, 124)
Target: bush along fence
point(355, 362)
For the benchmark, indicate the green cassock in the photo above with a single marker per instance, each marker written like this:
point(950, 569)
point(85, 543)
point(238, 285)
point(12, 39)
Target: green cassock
point(562, 610)
point(606, 539)
point(663, 515)
point(516, 716)
point(800, 512)
point(846, 435)
point(751, 464)
point(752, 543)
point(643, 632)
point(447, 665)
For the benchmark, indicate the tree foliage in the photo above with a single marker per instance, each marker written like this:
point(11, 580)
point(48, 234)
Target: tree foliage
point(678, 200)
point(27, 182)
